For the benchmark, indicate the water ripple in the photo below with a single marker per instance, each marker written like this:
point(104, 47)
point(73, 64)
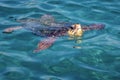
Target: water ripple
point(97, 59)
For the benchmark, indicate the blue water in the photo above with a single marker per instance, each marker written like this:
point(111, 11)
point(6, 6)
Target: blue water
point(98, 58)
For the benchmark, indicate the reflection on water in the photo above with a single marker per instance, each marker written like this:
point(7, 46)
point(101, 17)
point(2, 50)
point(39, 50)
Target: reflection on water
point(98, 59)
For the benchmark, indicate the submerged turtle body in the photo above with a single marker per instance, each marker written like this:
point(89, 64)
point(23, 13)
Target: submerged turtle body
point(45, 30)
point(46, 26)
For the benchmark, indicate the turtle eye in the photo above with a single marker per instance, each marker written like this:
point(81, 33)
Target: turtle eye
point(71, 27)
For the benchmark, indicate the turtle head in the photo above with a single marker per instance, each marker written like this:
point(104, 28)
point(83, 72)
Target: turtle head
point(76, 30)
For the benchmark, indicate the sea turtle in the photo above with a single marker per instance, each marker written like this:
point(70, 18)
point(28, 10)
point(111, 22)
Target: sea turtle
point(47, 27)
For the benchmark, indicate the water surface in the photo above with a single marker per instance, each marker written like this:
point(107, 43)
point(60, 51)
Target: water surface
point(98, 58)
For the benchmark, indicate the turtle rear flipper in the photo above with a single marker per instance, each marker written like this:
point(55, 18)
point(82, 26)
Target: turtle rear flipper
point(46, 43)
point(11, 29)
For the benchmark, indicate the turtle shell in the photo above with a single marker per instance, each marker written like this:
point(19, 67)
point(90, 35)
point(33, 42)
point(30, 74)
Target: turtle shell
point(46, 26)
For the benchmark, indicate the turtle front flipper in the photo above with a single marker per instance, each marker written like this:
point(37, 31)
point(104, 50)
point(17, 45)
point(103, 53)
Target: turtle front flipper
point(11, 29)
point(44, 44)
point(93, 27)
